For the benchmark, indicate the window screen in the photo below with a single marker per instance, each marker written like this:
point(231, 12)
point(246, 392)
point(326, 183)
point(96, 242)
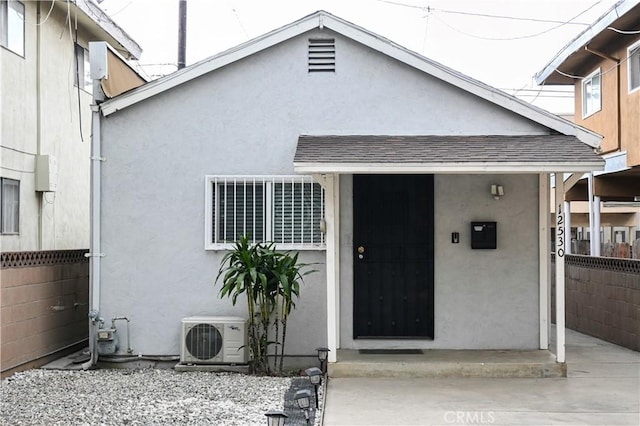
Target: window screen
point(284, 209)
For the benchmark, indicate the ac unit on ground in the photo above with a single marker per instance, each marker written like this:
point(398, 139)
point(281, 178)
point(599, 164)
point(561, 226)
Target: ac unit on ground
point(214, 340)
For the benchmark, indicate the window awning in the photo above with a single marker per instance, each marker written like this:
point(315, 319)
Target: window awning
point(444, 154)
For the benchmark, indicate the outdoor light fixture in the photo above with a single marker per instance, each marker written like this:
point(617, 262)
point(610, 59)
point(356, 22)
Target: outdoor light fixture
point(322, 357)
point(315, 376)
point(275, 418)
point(303, 399)
point(497, 191)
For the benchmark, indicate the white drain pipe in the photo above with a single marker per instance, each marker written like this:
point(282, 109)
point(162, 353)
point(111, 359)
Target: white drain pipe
point(98, 57)
point(94, 249)
point(592, 249)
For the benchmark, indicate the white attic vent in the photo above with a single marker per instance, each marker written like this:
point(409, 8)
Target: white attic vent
point(322, 55)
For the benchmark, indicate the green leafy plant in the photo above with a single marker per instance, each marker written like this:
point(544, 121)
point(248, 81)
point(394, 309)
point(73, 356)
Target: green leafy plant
point(270, 280)
point(289, 274)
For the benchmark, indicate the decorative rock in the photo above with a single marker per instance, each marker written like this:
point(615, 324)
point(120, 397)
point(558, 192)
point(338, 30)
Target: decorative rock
point(140, 397)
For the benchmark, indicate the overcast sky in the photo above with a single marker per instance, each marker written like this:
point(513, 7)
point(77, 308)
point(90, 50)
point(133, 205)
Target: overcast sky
point(502, 52)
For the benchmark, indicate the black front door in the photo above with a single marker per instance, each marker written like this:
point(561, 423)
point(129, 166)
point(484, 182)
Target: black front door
point(393, 256)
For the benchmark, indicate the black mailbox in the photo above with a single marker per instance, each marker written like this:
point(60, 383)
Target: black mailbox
point(483, 235)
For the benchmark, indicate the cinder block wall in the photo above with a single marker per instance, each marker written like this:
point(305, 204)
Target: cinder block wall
point(44, 299)
point(602, 298)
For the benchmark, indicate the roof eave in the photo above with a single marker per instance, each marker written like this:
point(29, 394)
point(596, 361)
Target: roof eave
point(212, 63)
point(582, 40)
point(448, 167)
point(110, 31)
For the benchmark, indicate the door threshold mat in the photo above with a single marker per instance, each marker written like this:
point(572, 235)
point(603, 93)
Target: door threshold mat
point(390, 351)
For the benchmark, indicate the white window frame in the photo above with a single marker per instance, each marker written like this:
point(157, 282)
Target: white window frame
point(9, 207)
point(12, 30)
point(83, 74)
point(586, 111)
point(213, 241)
point(633, 62)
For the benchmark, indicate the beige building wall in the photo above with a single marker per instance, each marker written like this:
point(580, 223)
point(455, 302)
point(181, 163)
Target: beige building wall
point(618, 120)
point(43, 112)
point(44, 300)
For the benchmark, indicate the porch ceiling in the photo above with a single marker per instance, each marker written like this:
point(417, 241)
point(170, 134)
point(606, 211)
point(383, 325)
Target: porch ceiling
point(444, 154)
point(618, 186)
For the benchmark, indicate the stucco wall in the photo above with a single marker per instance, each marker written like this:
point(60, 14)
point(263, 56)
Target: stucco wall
point(245, 119)
point(64, 222)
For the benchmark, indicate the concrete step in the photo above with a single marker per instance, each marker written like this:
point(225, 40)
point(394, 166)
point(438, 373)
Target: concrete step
point(448, 363)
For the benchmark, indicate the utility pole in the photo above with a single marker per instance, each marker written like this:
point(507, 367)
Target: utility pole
point(182, 33)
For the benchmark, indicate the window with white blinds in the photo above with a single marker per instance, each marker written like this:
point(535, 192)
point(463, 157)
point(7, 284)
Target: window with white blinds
point(10, 206)
point(633, 66)
point(591, 93)
point(284, 209)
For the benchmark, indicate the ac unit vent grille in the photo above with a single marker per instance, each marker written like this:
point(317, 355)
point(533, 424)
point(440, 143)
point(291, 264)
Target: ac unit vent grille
point(322, 55)
point(203, 341)
point(214, 340)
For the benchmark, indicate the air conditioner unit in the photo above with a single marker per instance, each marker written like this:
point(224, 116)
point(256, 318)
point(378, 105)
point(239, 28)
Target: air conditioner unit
point(214, 340)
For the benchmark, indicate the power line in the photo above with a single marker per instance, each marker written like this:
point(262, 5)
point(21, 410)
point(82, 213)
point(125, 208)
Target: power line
point(536, 90)
point(235, 12)
point(538, 95)
point(630, 32)
point(17, 150)
point(484, 15)
point(111, 15)
point(429, 10)
point(48, 15)
point(580, 77)
point(17, 170)
point(519, 37)
point(513, 18)
point(424, 8)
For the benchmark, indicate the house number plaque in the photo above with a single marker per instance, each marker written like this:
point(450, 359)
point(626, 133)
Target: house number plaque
point(560, 231)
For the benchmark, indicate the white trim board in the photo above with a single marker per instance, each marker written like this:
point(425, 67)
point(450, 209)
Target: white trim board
point(442, 168)
point(107, 25)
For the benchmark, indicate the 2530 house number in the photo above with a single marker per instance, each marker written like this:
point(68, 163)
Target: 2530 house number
point(560, 231)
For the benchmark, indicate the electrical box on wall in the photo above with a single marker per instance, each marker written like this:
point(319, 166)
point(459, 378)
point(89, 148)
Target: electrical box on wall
point(483, 235)
point(46, 173)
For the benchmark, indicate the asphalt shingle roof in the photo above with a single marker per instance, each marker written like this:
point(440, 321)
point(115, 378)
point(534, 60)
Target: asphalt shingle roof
point(540, 149)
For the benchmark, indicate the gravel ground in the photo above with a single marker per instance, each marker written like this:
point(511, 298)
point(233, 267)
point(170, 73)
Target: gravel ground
point(139, 397)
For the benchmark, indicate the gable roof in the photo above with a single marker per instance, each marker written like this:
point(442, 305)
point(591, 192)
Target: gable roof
point(441, 154)
point(321, 20)
point(624, 15)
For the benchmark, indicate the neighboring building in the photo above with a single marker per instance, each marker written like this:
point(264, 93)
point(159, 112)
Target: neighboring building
point(603, 64)
point(46, 120)
point(323, 122)
point(45, 139)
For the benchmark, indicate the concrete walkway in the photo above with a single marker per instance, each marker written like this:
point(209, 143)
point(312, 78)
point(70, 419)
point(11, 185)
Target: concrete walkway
point(602, 388)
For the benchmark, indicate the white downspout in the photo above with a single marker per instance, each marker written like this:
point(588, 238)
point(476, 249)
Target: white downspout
point(596, 226)
point(567, 210)
point(591, 227)
point(544, 259)
point(98, 56)
point(94, 249)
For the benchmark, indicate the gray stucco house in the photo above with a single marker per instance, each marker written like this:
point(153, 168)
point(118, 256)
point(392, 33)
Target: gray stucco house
point(422, 194)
